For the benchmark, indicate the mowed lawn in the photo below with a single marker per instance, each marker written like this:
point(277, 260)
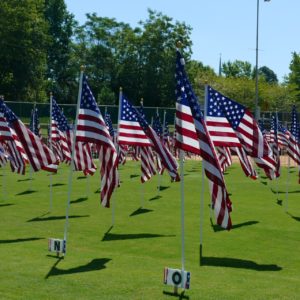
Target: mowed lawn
point(258, 259)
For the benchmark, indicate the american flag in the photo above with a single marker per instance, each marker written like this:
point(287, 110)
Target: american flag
point(130, 130)
point(10, 141)
point(4, 157)
point(197, 137)
point(224, 157)
point(219, 128)
point(283, 136)
point(293, 145)
point(39, 155)
point(91, 128)
point(274, 143)
point(249, 134)
point(109, 125)
point(34, 125)
point(158, 128)
point(150, 138)
point(147, 164)
point(245, 162)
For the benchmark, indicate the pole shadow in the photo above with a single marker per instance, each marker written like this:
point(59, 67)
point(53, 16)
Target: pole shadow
point(130, 236)
point(55, 218)
point(81, 177)
point(26, 193)
point(82, 199)
point(20, 240)
point(94, 265)
point(218, 228)
point(140, 211)
point(6, 204)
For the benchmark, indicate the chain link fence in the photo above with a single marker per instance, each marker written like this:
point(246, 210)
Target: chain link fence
point(23, 111)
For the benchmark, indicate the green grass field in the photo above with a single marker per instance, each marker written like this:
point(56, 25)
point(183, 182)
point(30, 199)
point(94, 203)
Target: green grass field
point(257, 259)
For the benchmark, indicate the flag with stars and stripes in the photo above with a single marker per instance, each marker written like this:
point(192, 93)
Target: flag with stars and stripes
point(219, 128)
point(274, 143)
point(39, 155)
point(293, 149)
point(34, 125)
point(130, 131)
point(249, 134)
point(147, 164)
point(150, 138)
point(109, 125)
point(91, 128)
point(224, 157)
point(196, 137)
point(283, 136)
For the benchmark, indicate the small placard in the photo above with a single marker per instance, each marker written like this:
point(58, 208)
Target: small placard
point(57, 245)
point(177, 278)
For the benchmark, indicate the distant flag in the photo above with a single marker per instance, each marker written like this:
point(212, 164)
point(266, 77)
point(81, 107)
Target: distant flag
point(146, 137)
point(4, 157)
point(283, 136)
point(293, 149)
point(157, 126)
point(109, 125)
point(39, 155)
point(197, 138)
point(274, 143)
point(91, 128)
point(35, 122)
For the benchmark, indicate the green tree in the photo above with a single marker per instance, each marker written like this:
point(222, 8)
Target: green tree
point(23, 40)
point(293, 78)
point(268, 74)
point(60, 72)
point(237, 68)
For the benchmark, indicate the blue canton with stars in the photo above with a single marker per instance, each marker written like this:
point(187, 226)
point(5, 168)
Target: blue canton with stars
point(213, 103)
point(274, 125)
point(8, 113)
point(184, 91)
point(59, 117)
point(129, 113)
point(232, 110)
point(87, 100)
point(109, 125)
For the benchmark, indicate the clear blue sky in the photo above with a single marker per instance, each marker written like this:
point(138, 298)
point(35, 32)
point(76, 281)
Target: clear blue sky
point(219, 26)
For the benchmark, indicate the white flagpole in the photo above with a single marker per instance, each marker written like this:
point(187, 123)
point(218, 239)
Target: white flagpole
point(51, 148)
point(203, 183)
point(182, 208)
point(286, 202)
point(72, 157)
point(278, 157)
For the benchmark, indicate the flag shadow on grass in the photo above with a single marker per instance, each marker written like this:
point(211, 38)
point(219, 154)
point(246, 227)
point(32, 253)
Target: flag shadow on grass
point(54, 218)
point(20, 240)
point(94, 265)
point(26, 193)
point(26, 179)
point(130, 236)
point(81, 177)
point(155, 198)
point(133, 176)
point(264, 182)
point(179, 296)
point(295, 218)
point(140, 211)
point(82, 199)
point(162, 188)
point(6, 204)
point(217, 228)
point(57, 184)
point(284, 192)
point(229, 262)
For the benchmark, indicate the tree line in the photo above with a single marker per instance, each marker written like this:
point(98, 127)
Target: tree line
point(42, 48)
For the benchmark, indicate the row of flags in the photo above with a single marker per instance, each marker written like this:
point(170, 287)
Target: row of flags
point(226, 128)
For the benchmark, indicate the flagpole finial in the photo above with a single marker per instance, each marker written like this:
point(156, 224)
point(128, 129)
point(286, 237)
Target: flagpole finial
point(179, 44)
point(121, 89)
point(51, 94)
point(82, 68)
point(142, 101)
